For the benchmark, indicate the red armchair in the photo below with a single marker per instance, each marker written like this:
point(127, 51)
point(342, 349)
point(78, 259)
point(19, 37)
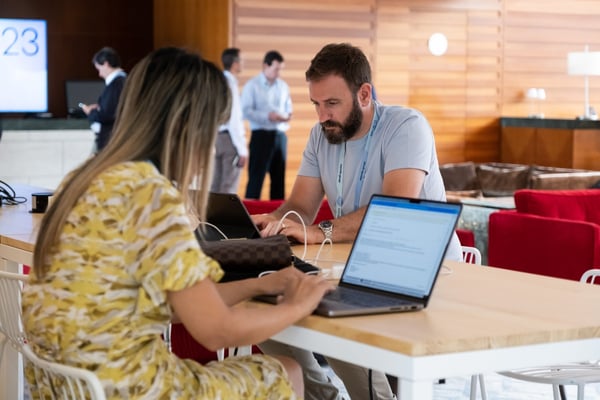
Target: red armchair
point(551, 232)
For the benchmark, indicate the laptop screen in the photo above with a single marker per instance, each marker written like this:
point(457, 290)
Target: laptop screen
point(401, 244)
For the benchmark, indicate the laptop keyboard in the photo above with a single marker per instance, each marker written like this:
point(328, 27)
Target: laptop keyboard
point(362, 299)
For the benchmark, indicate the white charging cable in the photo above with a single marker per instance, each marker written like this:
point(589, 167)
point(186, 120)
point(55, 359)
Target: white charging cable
point(316, 259)
point(326, 240)
point(280, 224)
point(214, 227)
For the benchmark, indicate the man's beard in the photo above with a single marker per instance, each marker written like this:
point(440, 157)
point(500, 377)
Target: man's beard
point(336, 133)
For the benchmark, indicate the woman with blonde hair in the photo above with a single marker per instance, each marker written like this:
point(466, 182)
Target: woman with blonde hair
point(116, 258)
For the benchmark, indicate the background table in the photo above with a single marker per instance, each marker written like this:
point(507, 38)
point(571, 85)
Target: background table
point(18, 230)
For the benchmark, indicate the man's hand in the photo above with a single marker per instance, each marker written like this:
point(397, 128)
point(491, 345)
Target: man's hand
point(269, 226)
point(242, 161)
point(279, 117)
point(87, 108)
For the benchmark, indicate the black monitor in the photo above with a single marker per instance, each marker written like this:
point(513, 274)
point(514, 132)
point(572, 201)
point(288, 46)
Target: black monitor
point(82, 91)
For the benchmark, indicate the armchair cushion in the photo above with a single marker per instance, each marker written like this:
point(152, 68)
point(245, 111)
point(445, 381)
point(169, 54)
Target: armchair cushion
point(542, 245)
point(551, 232)
point(502, 179)
point(580, 205)
point(460, 176)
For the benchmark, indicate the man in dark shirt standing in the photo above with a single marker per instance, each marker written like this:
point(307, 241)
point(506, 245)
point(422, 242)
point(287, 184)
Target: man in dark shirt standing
point(102, 115)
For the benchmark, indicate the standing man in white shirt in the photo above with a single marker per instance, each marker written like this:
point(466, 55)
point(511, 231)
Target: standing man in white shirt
point(231, 152)
point(267, 104)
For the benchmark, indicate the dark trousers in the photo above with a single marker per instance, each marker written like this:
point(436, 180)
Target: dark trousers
point(268, 153)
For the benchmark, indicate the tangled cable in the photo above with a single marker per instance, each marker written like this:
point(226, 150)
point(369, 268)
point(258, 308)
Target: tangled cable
point(8, 195)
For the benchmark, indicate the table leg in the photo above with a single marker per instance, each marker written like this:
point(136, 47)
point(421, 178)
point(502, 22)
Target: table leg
point(415, 390)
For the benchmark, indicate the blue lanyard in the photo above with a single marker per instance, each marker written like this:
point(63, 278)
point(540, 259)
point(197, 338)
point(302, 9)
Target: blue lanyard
point(362, 171)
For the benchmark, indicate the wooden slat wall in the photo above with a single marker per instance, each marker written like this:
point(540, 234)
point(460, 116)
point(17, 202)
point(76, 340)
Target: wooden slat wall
point(537, 38)
point(497, 49)
point(199, 25)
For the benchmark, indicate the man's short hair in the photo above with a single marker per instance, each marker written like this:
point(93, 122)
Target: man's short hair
point(341, 59)
point(107, 54)
point(271, 56)
point(229, 56)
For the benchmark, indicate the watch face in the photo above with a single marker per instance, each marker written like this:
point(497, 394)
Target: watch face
point(325, 224)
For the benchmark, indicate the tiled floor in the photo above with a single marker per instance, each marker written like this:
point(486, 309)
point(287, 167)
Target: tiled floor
point(497, 388)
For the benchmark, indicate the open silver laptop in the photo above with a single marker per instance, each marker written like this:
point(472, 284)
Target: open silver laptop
point(227, 212)
point(395, 258)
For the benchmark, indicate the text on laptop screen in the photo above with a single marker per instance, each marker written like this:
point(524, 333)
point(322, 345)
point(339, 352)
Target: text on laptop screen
point(400, 245)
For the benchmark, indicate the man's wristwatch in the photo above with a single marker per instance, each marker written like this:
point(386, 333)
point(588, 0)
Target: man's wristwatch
point(327, 228)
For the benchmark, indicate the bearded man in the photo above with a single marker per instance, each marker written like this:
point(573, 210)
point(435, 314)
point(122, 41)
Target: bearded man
point(358, 148)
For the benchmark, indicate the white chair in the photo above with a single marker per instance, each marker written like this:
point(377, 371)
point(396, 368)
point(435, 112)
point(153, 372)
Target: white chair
point(11, 285)
point(472, 255)
point(52, 380)
point(590, 276)
point(578, 374)
point(58, 381)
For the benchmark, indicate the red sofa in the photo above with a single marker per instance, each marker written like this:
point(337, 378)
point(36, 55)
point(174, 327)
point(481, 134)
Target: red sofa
point(551, 232)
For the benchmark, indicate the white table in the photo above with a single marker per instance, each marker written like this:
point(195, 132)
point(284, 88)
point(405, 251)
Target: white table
point(479, 320)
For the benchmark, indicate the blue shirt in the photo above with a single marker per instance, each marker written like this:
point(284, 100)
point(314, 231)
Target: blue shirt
point(259, 98)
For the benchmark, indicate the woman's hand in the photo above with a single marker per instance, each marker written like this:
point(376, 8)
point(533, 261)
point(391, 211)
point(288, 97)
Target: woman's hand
point(305, 291)
point(276, 282)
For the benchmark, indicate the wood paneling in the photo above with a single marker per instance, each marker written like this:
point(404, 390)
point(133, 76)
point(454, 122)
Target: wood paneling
point(566, 148)
point(537, 40)
point(199, 25)
point(497, 50)
point(450, 90)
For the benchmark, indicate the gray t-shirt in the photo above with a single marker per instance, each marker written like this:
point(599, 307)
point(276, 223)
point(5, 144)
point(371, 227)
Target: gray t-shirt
point(402, 138)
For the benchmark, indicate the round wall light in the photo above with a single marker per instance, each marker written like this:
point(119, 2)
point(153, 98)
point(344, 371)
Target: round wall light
point(438, 44)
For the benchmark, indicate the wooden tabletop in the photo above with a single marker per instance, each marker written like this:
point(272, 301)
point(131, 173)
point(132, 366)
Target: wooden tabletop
point(476, 308)
point(18, 226)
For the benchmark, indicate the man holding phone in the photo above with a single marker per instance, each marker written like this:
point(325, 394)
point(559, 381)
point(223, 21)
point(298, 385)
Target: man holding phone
point(231, 151)
point(102, 115)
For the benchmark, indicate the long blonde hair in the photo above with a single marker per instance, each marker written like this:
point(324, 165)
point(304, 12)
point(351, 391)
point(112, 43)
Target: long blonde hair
point(171, 105)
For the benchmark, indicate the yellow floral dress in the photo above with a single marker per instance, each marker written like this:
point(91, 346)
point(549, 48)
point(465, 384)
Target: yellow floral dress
point(103, 304)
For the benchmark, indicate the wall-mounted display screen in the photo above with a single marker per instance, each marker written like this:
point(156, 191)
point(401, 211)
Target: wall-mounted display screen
point(23, 66)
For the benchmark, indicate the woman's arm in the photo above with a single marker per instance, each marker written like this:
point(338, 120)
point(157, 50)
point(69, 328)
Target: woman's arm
point(215, 324)
point(274, 283)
